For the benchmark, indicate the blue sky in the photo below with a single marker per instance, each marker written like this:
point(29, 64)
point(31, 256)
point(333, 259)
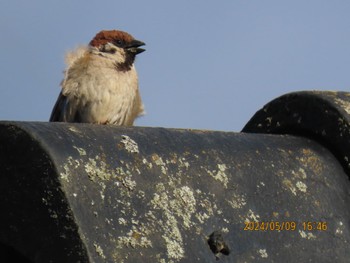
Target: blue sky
point(208, 64)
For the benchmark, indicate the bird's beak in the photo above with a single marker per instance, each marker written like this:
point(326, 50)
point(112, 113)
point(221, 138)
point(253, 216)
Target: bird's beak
point(134, 45)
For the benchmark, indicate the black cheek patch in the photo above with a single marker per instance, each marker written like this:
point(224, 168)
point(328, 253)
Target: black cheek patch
point(125, 66)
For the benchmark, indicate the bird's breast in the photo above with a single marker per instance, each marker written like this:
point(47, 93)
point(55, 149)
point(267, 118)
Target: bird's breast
point(101, 93)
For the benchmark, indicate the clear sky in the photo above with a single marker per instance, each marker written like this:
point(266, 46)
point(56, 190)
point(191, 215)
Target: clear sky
point(208, 64)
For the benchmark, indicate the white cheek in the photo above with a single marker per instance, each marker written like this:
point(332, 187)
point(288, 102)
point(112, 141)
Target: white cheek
point(117, 57)
point(120, 55)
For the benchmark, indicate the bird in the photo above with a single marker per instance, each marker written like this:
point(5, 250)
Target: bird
point(100, 83)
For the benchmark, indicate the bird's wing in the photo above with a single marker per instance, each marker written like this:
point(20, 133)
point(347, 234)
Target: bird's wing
point(57, 113)
point(63, 110)
point(66, 110)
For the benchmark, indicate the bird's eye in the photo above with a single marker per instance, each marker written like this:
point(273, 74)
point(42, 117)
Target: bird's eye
point(119, 42)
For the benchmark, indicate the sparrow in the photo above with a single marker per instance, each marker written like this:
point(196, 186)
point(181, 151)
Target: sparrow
point(100, 82)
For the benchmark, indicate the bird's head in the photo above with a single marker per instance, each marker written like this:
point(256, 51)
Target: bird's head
point(118, 45)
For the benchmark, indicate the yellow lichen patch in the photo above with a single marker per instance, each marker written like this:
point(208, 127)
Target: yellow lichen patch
point(129, 144)
point(178, 205)
point(183, 163)
point(70, 165)
point(275, 214)
point(237, 201)
point(207, 206)
point(298, 186)
point(300, 173)
point(251, 216)
point(170, 228)
point(148, 164)
point(184, 204)
point(288, 184)
point(99, 251)
point(220, 174)
point(312, 161)
point(97, 169)
point(308, 235)
point(98, 172)
point(262, 253)
point(159, 162)
point(134, 238)
point(301, 186)
point(345, 105)
point(80, 150)
point(340, 228)
point(125, 177)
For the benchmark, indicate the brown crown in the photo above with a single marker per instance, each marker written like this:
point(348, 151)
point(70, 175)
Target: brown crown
point(106, 36)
